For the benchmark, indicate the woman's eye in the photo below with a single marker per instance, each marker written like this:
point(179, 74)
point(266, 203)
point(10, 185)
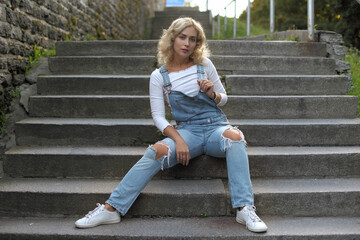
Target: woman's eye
point(182, 37)
point(193, 39)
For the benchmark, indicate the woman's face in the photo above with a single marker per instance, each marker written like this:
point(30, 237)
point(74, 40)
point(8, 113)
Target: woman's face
point(185, 43)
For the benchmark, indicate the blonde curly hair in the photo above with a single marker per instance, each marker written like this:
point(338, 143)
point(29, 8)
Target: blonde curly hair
point(165, 46)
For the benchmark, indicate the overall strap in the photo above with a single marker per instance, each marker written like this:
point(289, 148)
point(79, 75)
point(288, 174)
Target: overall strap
point(200, 72)
point(166, 79)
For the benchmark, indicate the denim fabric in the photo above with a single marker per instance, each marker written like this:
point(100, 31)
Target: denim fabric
point(201, 124)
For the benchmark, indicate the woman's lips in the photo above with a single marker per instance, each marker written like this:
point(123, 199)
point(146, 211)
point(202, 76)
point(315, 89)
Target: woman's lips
point(185, 50)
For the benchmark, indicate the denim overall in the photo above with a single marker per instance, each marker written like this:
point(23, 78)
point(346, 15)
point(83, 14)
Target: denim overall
point(201, 124)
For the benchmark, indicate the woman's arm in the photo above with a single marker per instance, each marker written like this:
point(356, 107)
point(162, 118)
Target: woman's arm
point(158, 113)
point(182, 150)
point(157, 104)
point(213, 76)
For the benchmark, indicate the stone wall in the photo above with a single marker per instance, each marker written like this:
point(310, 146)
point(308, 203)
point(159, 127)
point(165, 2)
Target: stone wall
point(24, 23)
point(334, 45)
point(336, 50)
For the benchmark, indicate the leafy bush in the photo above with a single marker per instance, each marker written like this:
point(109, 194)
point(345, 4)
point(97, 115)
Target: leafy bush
point(353, 57)
point(5, 103)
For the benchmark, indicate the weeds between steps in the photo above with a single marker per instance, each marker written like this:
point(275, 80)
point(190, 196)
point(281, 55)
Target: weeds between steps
point(5, 103)
point(39, 53)
point(12, 93)
point(353, 57)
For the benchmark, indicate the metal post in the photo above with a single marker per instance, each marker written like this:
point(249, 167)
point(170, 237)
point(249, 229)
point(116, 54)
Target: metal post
point(235, 19)
point(272, 16)
point(248, 19)
point(225, 23)
point(207, 5)
point(213, 28)
point(218, 25)
point(310, 20)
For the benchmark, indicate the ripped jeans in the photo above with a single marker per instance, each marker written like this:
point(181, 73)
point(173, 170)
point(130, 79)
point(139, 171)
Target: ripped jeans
point(201, 139)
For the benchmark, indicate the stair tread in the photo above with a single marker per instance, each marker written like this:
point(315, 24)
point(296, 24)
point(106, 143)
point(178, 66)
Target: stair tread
point(94, 76)
point(132, 150)
point(212, 56)
point(229, 96)
point(283, 76)
point(118, 121)
point(175, 228)
point(179, 187)
point(147, 76)
point(105, 186)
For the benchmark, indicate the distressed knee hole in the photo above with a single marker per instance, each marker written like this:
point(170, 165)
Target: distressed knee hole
point(162, 151)
point(233, 134)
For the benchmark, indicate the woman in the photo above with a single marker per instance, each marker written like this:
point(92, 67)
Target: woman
point(189, 82)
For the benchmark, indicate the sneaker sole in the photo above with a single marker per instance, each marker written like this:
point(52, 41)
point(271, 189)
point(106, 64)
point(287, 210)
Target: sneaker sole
point(98, 224)
point(251, 229)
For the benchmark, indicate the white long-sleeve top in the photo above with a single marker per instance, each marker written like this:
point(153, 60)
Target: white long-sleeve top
point(184, 81)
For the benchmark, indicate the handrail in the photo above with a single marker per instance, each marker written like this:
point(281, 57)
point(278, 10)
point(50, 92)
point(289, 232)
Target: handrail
point(272, 16)
point(225, 20)
point(310, 21)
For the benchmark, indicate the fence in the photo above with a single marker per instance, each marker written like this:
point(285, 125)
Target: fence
point(310, 12)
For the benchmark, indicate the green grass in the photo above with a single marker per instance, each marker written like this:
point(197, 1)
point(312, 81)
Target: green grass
point(353, 57)
point(240, 29)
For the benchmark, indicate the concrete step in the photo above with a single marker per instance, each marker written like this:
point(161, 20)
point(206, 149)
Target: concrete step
point(267, 48)
point(183, 13)
point(239, 107)
point(93, 84)
point(250, 65)
point(123, 65)
point(235, 84)
point(107, 48)
point(158, 27)
point(166, 20)
point(181, 9)
point(290, 197)
point(329, 228)
point(287, 84)
point(217, 47)
point(117, 132)
point(273, 65)
point(114, 162)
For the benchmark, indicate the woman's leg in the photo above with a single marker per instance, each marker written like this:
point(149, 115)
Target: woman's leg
point(229, 142)
point(137, 178)
point(129, 188)
point(161, 155)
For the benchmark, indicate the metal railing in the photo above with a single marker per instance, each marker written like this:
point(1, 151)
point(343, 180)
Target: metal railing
point(310, 21)
point(225, 20)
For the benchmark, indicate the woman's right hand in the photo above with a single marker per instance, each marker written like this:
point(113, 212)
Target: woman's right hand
point(182, 152)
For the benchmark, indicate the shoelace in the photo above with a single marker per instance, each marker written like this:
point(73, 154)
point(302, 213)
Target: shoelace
point(251, 213)
point(91, 213)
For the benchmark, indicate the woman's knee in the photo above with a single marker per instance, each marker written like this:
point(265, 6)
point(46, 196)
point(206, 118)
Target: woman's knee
point(232, 134)
point(162, 149)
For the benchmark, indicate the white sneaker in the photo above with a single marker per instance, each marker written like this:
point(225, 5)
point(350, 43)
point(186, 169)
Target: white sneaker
point(97, 217)
point(248, 217)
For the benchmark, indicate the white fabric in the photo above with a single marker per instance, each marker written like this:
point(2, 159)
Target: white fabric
point(184, 81)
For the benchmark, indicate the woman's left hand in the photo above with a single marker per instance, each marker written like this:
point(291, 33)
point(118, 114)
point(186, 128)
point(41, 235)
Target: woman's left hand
point(207, 87)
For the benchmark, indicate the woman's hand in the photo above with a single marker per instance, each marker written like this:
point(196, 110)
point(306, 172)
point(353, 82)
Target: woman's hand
point(182, 152)
point(207, 87)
